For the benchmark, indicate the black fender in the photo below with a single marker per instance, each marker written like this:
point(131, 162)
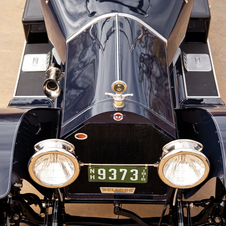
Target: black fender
point(20, 130)
point(206, 125)
point(10, 120)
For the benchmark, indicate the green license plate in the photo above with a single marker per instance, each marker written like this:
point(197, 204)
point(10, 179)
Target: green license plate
point(119, 174)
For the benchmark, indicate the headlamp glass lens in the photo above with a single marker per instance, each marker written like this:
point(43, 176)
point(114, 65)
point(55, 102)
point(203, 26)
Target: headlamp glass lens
point(53, 169)
point(184, 170)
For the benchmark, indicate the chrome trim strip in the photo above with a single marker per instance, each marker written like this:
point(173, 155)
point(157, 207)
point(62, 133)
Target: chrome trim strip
point(113, 15)
point(18, 74)
point(96, 164)
point(117, 48)
point(106, 100)
point(32, 97)
point(176, 56)
point(183, 76)
point(170, 93)
point(144, 24)
point(200, 97)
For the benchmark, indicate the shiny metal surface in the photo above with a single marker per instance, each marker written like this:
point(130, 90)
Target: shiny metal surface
point(92, 70)
point(110, 164)
point(197, 62)
point(183, 147)
point(67, 18)
point(54, 144)
point(119, 99)
point(48, 148)
point(50, 87)
point(116, 15)
point(160, 15)
point(182, 144)
point(118, 87)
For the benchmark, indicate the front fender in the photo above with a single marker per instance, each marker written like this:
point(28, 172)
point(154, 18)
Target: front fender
point(218, 116)
point(20, 130)
point(9, 123)
point(207, 126)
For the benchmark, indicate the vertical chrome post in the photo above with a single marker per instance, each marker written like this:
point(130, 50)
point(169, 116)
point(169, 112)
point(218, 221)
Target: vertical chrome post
point(117, 48)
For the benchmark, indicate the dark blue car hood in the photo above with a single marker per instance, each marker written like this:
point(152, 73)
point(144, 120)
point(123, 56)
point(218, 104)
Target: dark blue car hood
point(63, 18)
point(116, 48)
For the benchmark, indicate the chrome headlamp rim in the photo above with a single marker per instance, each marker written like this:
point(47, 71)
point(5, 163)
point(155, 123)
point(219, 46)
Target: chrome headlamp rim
point(182, 143)
point(167, 155)
point(59, 143)
point(52, 150)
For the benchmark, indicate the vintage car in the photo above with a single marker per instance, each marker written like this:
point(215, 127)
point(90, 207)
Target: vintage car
point(116, 103)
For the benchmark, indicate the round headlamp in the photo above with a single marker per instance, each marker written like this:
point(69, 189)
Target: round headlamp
point(183, 165)
point(54, 164)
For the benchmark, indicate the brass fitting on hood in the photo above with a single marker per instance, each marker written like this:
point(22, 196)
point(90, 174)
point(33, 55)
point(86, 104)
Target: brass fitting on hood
point(118, 87)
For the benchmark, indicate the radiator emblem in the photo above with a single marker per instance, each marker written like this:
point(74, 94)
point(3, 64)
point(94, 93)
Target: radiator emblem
point(117, 190)
point(118, 116)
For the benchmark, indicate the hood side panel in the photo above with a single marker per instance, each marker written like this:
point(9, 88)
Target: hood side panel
point(91, 67)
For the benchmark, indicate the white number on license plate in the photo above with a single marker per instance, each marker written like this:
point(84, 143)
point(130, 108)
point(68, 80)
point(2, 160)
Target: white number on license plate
point(119, 174)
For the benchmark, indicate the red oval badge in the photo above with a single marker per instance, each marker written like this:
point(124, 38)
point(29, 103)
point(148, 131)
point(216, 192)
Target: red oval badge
point(81, 136)
point(118, 116)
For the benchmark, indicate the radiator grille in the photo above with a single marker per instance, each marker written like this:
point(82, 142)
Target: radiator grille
point(119, 144)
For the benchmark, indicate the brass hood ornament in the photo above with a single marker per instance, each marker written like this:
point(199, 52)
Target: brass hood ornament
point(119, 87)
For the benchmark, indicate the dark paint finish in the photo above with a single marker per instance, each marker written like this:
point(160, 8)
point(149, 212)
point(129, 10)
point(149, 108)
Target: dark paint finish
point(94, 64)
point(24, 103)
point(9, 122)
point(90, 68)
point(38, 124)
point(161, 15)
point(19, 131)
point(143, 66)
point(168, 18)
point(218, 115)
point(119, 143)
point(207, 127)
point(97, 110)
